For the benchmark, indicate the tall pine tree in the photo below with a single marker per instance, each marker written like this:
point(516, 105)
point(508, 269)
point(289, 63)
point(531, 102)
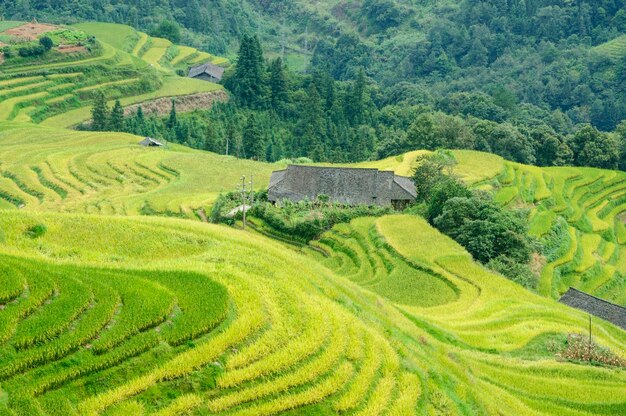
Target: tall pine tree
point(248, 83)
point(116, 122)
point(100, 113)
point(253, 143)
point(278, 86)
point(172, 122)
point(312, 142)
point(355, 100)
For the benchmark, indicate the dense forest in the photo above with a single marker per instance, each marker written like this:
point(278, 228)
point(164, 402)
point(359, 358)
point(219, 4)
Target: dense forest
point(537, 81)
point(276, 113)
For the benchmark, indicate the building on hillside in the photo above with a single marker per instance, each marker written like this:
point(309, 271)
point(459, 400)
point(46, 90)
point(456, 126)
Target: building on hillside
point(350, 186)
point(150, 142)
point(597, 307)
point(207, 72)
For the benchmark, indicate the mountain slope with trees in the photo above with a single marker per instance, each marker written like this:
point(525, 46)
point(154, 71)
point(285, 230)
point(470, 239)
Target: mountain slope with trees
point(532, 58)
point(533, 81)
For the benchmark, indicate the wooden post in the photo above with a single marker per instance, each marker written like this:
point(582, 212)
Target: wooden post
point(589, 337)
point(243, 199)
point(251, 190)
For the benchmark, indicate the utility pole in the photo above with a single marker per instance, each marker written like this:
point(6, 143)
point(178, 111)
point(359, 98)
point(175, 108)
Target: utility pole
point(243, 199)
point(589, 337)
point(251, 190)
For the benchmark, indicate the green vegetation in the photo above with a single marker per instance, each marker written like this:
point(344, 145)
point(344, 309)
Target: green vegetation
point(116, 300)
point(493, 235)
point(554, 61)
point(276, 113)
point(576, 215)
point(111, 173)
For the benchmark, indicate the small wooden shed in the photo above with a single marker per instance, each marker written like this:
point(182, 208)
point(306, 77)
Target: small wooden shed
point(150, 142)
point(207, 72)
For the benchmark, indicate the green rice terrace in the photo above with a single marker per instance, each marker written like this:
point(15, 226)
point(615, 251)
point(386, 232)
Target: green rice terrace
point(121, 63)
point(116, 298)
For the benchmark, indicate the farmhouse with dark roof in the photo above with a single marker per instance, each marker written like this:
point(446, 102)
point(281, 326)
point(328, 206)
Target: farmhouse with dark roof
point(207, 72)
point(598, 307)
point(350, 186)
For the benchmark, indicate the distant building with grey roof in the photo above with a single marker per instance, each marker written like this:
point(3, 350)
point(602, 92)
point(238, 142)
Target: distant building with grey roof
point(207, 72)
point(150, 142)
point(350, 186)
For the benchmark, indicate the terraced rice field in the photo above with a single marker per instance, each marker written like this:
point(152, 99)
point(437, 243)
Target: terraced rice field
point(163, 316)
point(170, 87)
point(110, 173)
point(121, 314)
point(157, 50)
point(125, 68)
point(582, 206)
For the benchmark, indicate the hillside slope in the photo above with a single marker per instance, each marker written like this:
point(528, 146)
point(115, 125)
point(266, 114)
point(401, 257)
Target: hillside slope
point(310, 340)
point(577, 212)
point(109, 173)
point(540, 53)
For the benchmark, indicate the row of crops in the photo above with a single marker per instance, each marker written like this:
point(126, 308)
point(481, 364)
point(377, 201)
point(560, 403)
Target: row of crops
point(358, 252)
point(63, 324)
point(579, 215)
point(150, 330)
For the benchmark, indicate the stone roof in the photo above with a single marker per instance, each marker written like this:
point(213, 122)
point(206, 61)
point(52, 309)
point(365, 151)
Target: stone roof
point(210, 69)
point(352, 186)
point(597, 307)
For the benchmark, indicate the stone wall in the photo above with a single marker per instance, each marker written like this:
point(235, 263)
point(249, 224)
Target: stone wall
point(184, 103)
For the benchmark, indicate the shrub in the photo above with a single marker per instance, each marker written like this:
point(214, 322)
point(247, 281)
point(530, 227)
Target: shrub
point(446, 189)
point(431, 171)
point(8, 52)
point(46, 42)
point(303, 221)
point(32, 50)
point(485, 229)
point(36, 231)
point(168, 30)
